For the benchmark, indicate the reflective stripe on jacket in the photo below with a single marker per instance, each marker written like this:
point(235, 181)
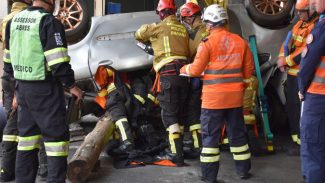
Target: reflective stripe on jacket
point(169, 40)
point(317, 86)
point(226, 61)
point(298, 41)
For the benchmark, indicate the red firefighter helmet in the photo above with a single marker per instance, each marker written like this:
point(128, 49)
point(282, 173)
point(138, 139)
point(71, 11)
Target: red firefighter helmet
point(302, 5)
point(189, 9)
point(166, 4)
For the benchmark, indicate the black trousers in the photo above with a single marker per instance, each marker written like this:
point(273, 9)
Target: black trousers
point(293, 106)
point(194, 102)
point(212, 120)
point(172, 99)
point(42, 112)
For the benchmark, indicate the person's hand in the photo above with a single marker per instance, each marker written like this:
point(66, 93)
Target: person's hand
point(281, 64)
point(301, 96)
point(77, 92)
point(14, 104)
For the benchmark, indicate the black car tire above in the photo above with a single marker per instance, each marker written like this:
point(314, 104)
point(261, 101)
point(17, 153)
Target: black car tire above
point(75, 16)
point(271, 17)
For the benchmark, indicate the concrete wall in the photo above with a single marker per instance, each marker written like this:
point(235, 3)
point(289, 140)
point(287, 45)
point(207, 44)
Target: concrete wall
point(3, 8)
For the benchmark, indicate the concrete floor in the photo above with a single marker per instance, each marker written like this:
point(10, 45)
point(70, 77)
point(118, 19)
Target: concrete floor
point(277, 168)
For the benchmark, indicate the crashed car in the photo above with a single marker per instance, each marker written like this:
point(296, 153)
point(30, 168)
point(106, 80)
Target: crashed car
point(110, 41)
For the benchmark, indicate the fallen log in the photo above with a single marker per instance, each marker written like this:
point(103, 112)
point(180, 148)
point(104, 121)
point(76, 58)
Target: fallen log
point(86, 156)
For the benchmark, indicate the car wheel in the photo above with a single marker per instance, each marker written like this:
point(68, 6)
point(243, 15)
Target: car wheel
point(74, 15)
point(270, 13)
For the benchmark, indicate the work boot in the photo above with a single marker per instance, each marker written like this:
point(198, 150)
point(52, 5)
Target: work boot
point(209, 172)
point(126, 146)
point(244, 176)
point(42, 171)
point(175, 151)
point(5, 176)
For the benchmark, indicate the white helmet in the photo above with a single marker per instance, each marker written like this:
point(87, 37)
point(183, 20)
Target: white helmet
point(215, 14)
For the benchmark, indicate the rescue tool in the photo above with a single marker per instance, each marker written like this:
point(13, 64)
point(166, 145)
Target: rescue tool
point(262, 97)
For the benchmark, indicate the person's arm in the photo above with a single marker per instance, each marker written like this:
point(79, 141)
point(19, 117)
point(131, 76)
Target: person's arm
point(6, 55)
point(145, 32)
point(55, 50)
point(311, 60)
point(200, 62)
point(56, 53)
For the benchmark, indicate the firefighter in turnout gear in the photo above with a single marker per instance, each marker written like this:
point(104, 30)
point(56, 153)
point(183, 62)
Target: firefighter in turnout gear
point(289, 60)
point(225, 61)
point(10, 132)
point(191, 18)
point(311, 80)
point(169, 40)
point(36, 55)
point(114, 96)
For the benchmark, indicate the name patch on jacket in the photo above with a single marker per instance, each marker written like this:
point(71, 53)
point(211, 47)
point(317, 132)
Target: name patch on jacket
point(22, 68)
point(23, 23)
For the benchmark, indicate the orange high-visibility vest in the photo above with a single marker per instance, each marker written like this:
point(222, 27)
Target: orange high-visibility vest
point(299, 34)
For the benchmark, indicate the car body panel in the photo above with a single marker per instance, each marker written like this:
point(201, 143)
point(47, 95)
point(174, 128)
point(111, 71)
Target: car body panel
point(111, 37)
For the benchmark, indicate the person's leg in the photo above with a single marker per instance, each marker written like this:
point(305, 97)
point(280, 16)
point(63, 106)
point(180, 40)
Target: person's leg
point(293, 111)
point(116, 108)
point(238, 139)
point(211, 123)
point(9, 148)
point(169, 113)
point(29, 136)
point(313, 147)
point(49, 112)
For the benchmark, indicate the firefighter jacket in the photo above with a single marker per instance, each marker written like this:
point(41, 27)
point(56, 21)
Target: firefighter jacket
point(196, 35)
point(225, 61)
point(36, 49)
point(298, 41)
point(108, 80)
point(169, 40)
point(311, 77)
point(16, 8)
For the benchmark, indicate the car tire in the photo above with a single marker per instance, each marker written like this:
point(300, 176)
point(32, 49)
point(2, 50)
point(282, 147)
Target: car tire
point(75, 16)
point(269, 16)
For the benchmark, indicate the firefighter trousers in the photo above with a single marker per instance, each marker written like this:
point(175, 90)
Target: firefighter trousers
point(293, 107)
point(41, 115)
point(312, 128)
point(212, 121)
point(172, 99)
point(115, 105)
point(194, 111)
